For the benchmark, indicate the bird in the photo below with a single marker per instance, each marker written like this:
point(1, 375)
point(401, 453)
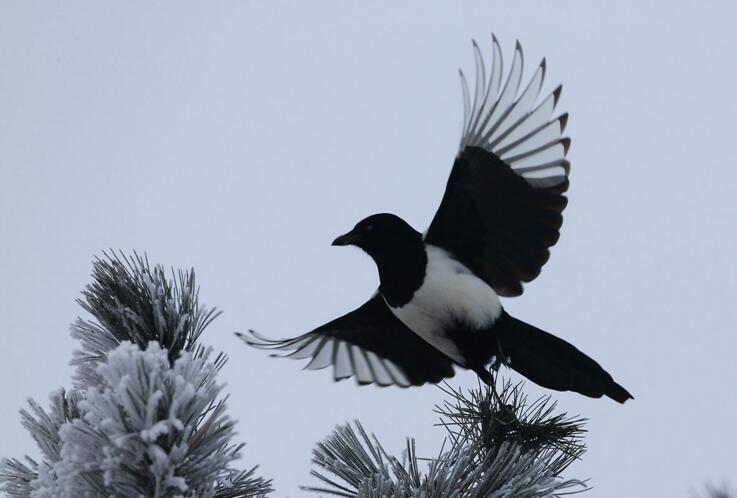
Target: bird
point(438, 304)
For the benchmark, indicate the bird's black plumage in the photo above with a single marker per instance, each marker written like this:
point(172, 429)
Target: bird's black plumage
point(551, 362)
point(437, 304)
point(369, 343)
point(496, 223)
point(397, 249)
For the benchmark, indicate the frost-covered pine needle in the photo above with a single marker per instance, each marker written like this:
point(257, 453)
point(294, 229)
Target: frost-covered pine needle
point(500, 447)
point(146, 416)
point(16, 476)
point(478, 415)
point(151, 429)
point(132, 301)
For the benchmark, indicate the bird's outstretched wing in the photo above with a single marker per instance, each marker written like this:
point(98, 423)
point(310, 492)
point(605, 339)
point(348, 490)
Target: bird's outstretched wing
point(502, 206)
point(369, 343)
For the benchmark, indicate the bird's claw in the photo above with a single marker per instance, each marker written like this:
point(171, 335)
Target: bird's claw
point(498, 360)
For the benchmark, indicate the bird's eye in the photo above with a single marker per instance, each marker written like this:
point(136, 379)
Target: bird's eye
point(369, 228)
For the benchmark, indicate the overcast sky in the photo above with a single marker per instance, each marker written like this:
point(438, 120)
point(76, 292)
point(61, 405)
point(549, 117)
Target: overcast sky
point(241, 137)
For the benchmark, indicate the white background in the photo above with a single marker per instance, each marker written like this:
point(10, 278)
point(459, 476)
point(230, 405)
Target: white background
point(240, 137)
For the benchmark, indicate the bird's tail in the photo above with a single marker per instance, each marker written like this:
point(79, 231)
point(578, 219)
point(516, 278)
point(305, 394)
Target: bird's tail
point(552, 362)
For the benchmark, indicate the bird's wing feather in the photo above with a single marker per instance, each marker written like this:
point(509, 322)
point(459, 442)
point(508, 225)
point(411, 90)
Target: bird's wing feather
point(369, 343)
point(501, 211)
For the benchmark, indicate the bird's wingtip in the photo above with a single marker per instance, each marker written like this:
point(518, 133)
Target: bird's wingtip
point(556, 94)
point(563, 120)
point(566, 142)
point(248, 339)
point(253, 338)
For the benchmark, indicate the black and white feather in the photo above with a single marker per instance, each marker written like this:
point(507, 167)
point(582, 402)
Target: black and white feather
point(513, 125)
point(369, 343)
point(501, 211)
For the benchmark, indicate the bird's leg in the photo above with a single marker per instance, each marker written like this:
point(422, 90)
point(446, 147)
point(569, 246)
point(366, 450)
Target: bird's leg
point(489, 377)
point(501, 358)
point(493, 386)
point(496, 362)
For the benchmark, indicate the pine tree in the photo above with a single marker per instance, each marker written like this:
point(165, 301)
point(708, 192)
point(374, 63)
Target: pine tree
point(145, 416)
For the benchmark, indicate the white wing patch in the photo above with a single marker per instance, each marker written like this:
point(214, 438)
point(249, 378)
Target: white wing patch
point(506, 122)
point(450, 295)
point(348, 360)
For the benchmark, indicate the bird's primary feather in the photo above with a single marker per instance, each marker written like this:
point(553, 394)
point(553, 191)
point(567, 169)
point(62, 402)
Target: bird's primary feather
point(368, 343)
point(501, 211)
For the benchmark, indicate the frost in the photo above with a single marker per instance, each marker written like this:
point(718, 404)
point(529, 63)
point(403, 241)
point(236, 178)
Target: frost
point(145, 417)
point(132, 301)
point(501, 446)
point(149, 429)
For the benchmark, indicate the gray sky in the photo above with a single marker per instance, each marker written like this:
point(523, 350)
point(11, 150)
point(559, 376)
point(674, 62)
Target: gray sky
point(241, 137)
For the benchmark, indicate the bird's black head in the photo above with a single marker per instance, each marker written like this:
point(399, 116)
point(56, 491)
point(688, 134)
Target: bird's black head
point(380, 235)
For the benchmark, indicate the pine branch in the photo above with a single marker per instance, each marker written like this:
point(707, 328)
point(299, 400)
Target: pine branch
point(44, 427)
point(352, 458)
point(480, 415)
point(717, 491)
point(149, 429)
point(132, 301)
point(500, 446)
point(146, 417)
point(152, 429)
point(16, 477)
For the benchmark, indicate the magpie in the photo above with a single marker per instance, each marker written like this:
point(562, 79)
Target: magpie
point(438, 302)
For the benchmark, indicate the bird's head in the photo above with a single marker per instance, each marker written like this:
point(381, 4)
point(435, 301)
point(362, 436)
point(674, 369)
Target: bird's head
point(380, 235)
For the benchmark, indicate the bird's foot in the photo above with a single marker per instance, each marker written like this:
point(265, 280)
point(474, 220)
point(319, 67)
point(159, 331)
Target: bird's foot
point(497, 361)
point(500, 359)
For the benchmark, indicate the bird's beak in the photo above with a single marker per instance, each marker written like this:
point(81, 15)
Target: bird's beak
point(346, 240)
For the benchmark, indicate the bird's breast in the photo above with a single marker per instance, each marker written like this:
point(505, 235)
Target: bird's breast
point(450, 298)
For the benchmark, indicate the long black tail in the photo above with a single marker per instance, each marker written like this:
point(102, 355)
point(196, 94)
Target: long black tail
point(552, 362)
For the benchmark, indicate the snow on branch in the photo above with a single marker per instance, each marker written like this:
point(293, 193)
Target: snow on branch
point(146, 416)
point(500, 446)
point(16, 478)
point(150, 429)
point(133, 301)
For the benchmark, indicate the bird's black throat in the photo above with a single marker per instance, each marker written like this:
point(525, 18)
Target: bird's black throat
point(398, 251)
point(401, 271)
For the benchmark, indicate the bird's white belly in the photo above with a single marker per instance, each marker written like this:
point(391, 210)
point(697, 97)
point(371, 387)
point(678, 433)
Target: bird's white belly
point(451, 296)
